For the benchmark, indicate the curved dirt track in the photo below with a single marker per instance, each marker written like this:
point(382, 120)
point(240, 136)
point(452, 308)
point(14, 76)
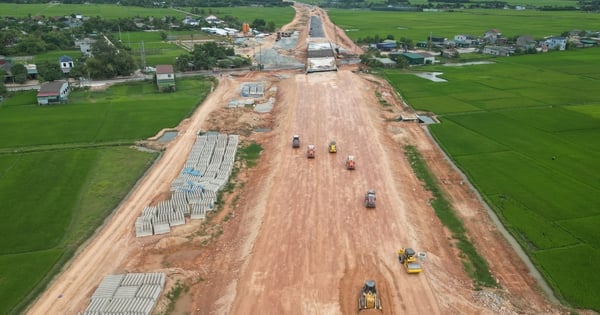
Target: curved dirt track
point(110, 248)
point(297, 239)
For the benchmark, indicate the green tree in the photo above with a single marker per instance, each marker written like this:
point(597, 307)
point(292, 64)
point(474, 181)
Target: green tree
point(258, 24)
point(76, 71)
point(20, 73)
point(2, 86)
point(50, 71)
point(31, 45)
point(8, 37)
point(270, 27)
point(182, 63)
point(108, 61)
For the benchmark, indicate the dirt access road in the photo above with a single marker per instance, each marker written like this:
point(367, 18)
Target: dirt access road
point(294, 236)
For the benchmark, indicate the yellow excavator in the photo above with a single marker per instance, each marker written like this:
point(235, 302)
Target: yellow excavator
point(408, 259)
point(369, 298)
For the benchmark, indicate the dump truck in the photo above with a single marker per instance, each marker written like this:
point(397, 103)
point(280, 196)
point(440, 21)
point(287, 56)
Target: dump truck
point(350, 162)
point(370, 198)
point(369, 298)
point(332, 146)
point(310, 151)
point(296, 141)
point(408, 258)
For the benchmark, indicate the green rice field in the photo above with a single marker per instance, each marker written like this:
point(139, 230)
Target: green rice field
point(128, 112)
point(418, 26)
point(64, 168)
point(278, 15)
point(525, 130)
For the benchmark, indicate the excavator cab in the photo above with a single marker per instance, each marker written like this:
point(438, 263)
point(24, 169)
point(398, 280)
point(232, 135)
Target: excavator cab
point(368, 297)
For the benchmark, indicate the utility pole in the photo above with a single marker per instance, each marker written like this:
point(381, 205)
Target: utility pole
point(260, 58)
point(143, 52)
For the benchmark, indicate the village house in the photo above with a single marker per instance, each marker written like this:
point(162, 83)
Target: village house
point(66, 63)
point(85, 46)
point(165, 78)
point(211, 19)
point(55, 92)
point(556, 43)
point(462, 40)
point(491, 36)
point(525, 42)
point(497, 50)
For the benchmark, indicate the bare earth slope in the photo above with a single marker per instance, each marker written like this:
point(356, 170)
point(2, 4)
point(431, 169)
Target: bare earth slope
point(294, 236)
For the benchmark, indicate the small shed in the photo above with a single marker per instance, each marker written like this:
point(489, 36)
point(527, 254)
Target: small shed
point(588, 42)
point(387, 45)
point(165, 78)
point(386, 62)
point(414, 58)
point(55, 92)
point(32, 71)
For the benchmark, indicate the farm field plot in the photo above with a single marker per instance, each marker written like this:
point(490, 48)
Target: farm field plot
point(419, 25)
point(64, 168)
point(531, 149)
point(52, 201)
point(107, 11)
point(123, 113)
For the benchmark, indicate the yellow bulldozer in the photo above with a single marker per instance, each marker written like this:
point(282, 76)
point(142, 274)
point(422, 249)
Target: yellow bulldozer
point(408, 258)
point(369, 298)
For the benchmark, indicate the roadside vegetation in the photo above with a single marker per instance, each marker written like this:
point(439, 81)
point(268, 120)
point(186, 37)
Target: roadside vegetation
point(122, 40)
point(65, 168)
point(475, 266)
point(524, 130)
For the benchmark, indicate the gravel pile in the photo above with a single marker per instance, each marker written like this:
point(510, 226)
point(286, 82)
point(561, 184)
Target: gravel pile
point(493, 301)
point(271, 59)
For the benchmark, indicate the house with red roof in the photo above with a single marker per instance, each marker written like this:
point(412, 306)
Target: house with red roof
point(165, 78)
point(55, 92)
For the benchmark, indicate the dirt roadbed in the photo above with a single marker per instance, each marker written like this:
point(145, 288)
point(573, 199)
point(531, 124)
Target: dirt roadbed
point(294, 237)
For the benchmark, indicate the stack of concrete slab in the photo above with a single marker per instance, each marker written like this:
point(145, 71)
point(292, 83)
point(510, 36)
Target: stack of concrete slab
point(253, 89)
point(194, 191)
point(134, 293)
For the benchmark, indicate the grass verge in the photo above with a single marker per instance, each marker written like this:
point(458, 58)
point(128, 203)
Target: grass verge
point(475, 266)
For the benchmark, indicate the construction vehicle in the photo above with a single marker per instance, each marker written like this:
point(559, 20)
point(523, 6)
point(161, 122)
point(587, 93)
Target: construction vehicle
point(370, 198)
point(350, 162)
point(332, 146)
point(310, 151)
point(369, 298)
point(408, 259)
point(296, 141)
